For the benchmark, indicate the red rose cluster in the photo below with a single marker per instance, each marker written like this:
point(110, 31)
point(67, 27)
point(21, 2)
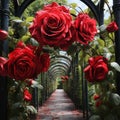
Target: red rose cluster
point(64, 78)
point(23, 63)
point(54, 26)
point(97, 69)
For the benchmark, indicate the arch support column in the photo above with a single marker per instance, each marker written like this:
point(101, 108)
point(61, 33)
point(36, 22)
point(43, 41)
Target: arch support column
point(116, 9)
point(4, 16)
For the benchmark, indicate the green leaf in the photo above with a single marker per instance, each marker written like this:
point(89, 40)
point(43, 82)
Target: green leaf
point(72, 11)
point(106, 49)
point(73, 5)
point(115, 99)
point(16, 105)
point(115, 65)
point(31, 109)
point(95, 117)
point(25, 38)
point(29, 19)
point(34, 42)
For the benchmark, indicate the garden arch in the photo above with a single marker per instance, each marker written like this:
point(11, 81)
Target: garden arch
point(4, 22)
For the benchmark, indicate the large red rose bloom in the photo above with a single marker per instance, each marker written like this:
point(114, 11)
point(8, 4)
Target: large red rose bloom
point(52, 26)
point(97, 69)
point(85, 28)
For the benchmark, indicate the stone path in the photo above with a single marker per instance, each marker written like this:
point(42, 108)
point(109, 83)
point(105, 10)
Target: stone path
point(59, 107)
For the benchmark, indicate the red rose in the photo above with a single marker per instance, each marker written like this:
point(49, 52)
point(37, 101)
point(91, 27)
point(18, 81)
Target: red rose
point(66, 77)
point(98, 103)
point(96, 97)
point(97, 69)
point(44, 62)
point(27, 96)
point(52, 26)
point(2, 68)
point(62, 77)
point(21, 44)
point(22, 63)
point(85, 28)
point(3, 34)
point(54, 4)
point(112, 27)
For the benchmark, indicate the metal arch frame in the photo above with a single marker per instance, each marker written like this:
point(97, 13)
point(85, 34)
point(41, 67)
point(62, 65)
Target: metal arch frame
point(93, 7)
point(61, 56)
point(60, 66)
point(99, 17)
point(97, 10)
point(20, 9)
point(4, 23)
point(116, 10)
point(56, 68)
point(60, 60)
point(58, 73)
point(59, 63)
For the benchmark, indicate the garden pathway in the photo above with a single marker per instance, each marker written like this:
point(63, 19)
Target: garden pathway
point(59, 107)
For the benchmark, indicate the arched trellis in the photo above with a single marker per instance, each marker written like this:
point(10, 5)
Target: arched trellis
point(59, 65)
point(98, 12)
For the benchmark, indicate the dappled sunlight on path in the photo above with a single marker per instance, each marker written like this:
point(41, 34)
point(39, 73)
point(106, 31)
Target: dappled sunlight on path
point(59, 107)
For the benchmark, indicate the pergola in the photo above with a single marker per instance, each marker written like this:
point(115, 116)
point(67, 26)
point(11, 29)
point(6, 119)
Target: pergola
point(60, 64)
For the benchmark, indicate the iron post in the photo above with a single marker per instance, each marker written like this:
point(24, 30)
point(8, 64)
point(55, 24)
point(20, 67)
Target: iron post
point(4, 14)
point(116, 10)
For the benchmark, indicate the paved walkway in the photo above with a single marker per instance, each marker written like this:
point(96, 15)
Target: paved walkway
point(59, 107)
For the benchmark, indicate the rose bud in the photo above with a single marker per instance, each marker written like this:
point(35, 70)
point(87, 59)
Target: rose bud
point(98, 103)
point(112, 27)
point(96, 96)
point(3, 34)
point(3, 71)
point(27, 95)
